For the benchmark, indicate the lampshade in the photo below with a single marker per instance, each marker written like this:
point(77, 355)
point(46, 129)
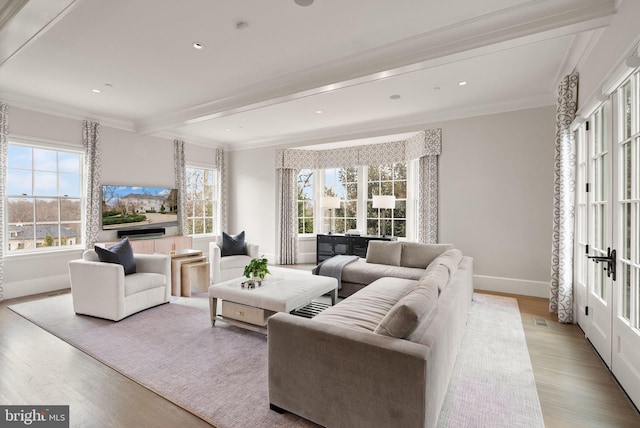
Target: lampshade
point(384, 201)
point(330, 202)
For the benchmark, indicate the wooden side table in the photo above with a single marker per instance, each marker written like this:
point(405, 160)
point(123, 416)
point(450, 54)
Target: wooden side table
point(189, 269)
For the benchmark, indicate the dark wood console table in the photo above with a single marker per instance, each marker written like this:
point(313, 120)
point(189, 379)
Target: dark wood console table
point(328, 246)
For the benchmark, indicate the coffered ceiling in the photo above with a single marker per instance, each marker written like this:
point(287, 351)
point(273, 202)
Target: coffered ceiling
point(274, 72)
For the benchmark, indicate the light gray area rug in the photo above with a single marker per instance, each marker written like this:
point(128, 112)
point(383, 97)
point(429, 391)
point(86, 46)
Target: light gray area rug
point(492, 383)
point(220, 374)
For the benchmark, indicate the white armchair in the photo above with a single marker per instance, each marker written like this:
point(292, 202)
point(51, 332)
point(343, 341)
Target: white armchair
point(103, 290)
point(228, 267)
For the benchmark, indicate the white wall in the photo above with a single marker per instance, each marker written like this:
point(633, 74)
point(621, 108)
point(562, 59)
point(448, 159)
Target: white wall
point(253, 197)
point(496, 197)
point(127, 158)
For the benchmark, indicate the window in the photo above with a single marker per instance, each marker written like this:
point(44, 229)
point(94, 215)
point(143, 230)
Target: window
point(43, 198)
point(387, 180)
point(355, 186)
point(305, 201)
point(343, 183)
point(202, 202)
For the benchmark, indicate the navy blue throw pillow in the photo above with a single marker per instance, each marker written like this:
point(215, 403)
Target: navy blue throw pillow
point(233, 245)
point(121, 253)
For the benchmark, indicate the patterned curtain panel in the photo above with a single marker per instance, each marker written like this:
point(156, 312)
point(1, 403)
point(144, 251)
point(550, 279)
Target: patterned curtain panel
point(221, 167)
point(4, 136)
point(288, 215)
point(428, 200)
point(92, 165)
point(561, 300)
point(181, 184)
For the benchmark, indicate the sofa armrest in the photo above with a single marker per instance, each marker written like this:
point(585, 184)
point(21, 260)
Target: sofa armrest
point(214, 260)
point(253, 250)
point(342, 377)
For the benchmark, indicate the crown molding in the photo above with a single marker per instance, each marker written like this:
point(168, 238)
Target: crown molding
point(61, 110)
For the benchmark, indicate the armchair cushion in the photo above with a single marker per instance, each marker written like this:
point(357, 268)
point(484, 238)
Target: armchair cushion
point(233, 245)
point(121, 253)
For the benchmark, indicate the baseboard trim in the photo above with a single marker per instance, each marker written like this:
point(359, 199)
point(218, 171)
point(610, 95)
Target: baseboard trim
point(29, 287)
point(306, 258)
point(511, 286)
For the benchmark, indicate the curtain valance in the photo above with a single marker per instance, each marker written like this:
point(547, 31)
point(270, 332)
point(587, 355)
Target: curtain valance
point(425, 143)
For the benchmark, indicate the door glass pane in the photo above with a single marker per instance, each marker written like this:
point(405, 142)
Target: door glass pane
point(627, 178)
point(626, 291)
point(626, 231)
point(626, 107)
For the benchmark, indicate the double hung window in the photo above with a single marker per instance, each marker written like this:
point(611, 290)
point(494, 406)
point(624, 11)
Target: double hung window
point(44, 204)
point(202, 202)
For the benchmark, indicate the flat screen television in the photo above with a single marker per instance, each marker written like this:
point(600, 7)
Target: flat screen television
point(137, 207)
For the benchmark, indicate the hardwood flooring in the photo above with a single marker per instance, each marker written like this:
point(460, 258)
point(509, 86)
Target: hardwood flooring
point(574, 386)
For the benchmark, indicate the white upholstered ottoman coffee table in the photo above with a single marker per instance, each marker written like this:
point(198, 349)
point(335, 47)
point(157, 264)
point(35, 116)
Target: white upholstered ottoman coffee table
point(285, 290)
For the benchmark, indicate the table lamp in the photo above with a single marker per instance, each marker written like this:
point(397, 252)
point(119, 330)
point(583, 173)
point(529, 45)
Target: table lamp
point(331, 202)
point(384, 202)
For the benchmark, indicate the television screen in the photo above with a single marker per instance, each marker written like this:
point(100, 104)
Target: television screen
point(134, 207)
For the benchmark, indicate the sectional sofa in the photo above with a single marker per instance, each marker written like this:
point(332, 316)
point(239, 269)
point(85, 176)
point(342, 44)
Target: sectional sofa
point(381, 357)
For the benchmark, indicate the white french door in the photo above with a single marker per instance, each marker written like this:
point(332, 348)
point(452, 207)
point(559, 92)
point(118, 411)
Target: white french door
point(599, 277)
point(607, 268)
point(626, 321)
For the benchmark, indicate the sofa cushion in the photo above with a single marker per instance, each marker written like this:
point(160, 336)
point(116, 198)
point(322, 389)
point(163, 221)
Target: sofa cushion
point(438, 274)
point(405, 315)
point(450, 259)
point(365, 309)
point(233, 245)
point(418, 255)
point(361, 272)
point(384, 252)
point(138, 282)
point(121, 253)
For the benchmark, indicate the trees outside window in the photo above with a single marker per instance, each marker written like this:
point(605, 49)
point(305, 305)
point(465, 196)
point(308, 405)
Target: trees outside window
point(43, 198)
point(305, 201)
point(355, 186)
point(388, 179)
point(202, 202)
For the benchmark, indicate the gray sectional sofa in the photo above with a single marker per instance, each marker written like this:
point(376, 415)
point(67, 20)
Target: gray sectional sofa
point(389, 259)
point(381, 357)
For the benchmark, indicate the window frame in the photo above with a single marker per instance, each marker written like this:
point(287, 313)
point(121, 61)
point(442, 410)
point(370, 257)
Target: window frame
point(58, 148)
point(215, 200)
point(361, 203)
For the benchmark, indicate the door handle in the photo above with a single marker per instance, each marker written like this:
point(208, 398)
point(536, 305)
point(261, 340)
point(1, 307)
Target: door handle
point(610, 259)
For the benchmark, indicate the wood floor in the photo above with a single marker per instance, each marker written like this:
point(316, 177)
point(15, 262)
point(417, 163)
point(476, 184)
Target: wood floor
point(574, 386)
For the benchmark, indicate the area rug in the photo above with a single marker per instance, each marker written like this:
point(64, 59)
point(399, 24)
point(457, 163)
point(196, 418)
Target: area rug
point(492, 384)
point(220, 373)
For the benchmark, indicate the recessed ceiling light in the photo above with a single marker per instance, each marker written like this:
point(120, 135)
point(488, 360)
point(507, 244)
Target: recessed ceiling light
point(304, 2)
point(462, 83)
point(228, 129)
point(395, 97)
point(96, 91)
point(198, 45)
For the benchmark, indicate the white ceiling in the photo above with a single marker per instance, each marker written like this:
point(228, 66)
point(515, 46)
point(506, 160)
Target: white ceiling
point(264, 84)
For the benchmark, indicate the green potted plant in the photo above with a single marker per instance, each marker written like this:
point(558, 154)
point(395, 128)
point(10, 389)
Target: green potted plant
point(256, 270)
